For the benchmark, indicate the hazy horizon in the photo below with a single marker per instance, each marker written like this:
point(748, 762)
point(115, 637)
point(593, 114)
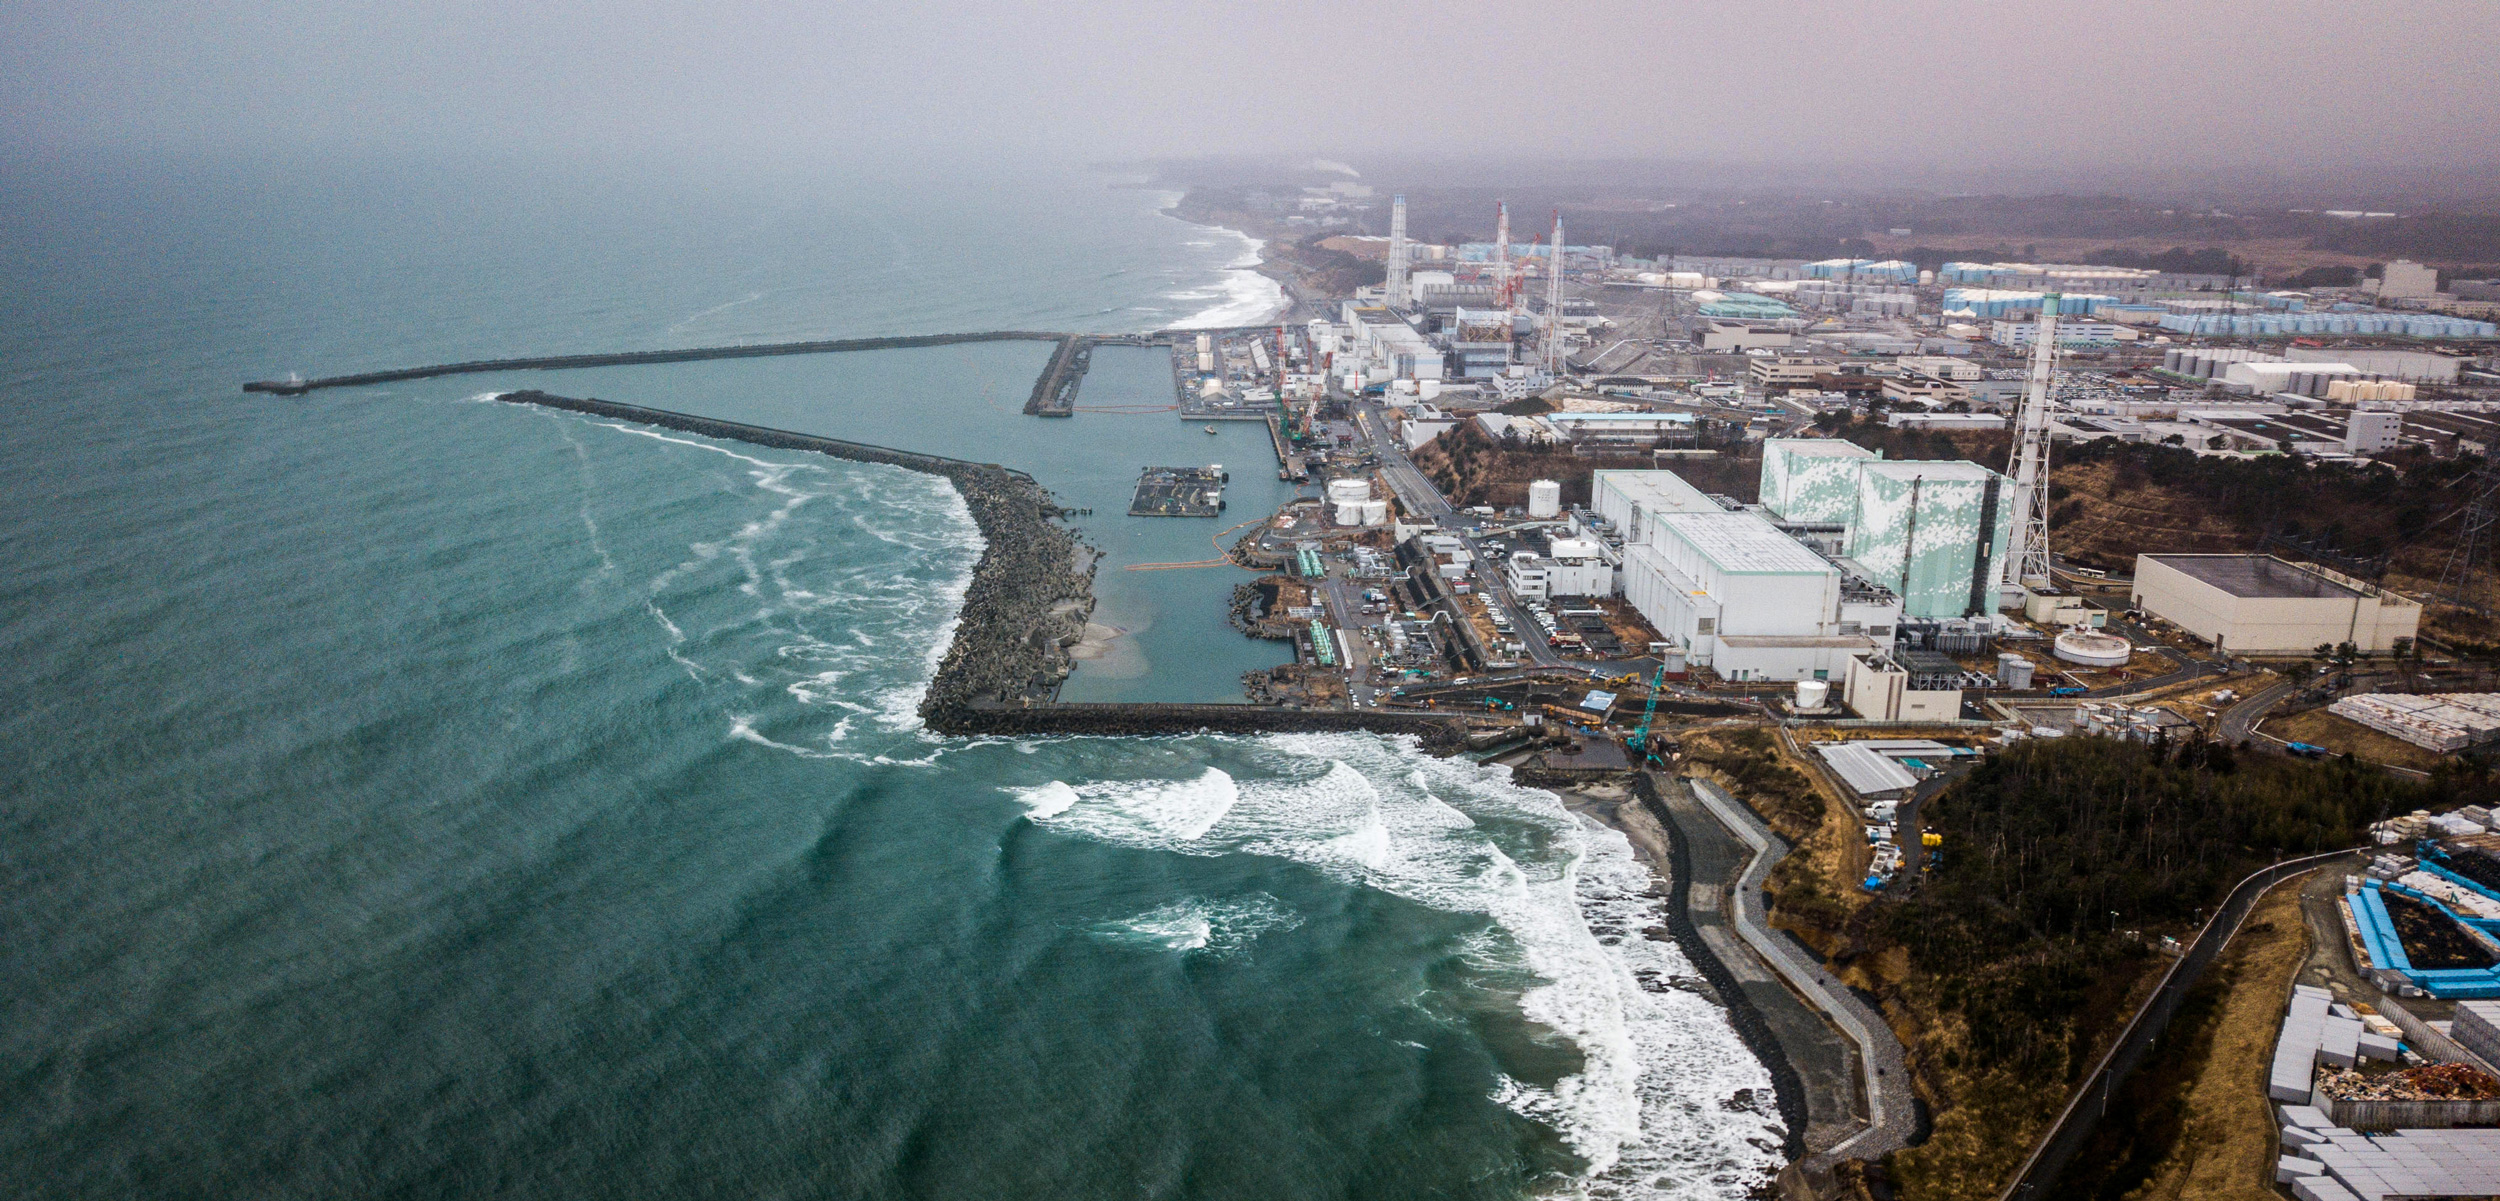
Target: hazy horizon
point(1937, 96)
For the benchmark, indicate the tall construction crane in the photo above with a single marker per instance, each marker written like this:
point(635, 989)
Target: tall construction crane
point(2026, 561)
point(1553, 303)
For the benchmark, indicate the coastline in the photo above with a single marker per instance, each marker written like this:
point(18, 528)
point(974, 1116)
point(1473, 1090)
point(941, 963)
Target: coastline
point(1288, 300)
point(1635, 813)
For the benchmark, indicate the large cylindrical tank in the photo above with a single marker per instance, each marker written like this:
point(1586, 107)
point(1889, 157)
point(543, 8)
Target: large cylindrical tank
point(2093, 650)
point(1375, 512)
point(2013, 671)
point(1349, 491)
point(1812, 693)
point(1348, 512)
point(1545, 499)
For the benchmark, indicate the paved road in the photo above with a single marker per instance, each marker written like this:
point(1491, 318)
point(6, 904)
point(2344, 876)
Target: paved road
point(1892, 1115)
point(1420, 496)
point(2239, 722)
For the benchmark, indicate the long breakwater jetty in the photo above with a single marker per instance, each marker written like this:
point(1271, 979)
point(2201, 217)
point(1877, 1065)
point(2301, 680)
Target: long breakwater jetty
point(636, 358)
point(1030, 596)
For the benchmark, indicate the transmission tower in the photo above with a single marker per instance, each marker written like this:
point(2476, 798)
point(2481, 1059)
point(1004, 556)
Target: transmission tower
point(1553, 303)
point(2027, 557)
point(1397, 253)
point(2474, 536)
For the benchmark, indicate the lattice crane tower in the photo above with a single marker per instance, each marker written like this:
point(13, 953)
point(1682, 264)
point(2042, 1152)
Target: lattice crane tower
point(1553, 302)
point(1501, 254)
point(1397, 252)
point(2027, 558)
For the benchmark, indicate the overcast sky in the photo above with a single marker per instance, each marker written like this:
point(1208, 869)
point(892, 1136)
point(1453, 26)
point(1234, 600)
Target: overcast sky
point(2130, 85)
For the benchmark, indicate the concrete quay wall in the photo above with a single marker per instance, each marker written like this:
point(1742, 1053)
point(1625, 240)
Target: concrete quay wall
point(1440, 735)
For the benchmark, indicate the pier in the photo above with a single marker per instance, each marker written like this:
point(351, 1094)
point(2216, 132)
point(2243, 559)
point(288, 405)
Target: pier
point(1054, 394)
point(1289, 464)
point(1179, 492)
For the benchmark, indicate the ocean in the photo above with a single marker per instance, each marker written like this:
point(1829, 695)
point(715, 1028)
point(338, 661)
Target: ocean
point(411, 795)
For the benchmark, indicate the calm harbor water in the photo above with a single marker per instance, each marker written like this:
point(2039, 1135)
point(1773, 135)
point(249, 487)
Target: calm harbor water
point(409, 795)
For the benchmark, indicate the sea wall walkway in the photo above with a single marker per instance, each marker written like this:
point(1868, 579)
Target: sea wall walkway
point(1891, 1109)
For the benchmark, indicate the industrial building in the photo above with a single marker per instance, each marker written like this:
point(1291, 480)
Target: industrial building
point(1880, 689)
point(2258, 604)
point(1932, 532)
point(1812, 479)
point(1748, 601)
point(2018, 334)
point(1569, 567)
point(1631, 500)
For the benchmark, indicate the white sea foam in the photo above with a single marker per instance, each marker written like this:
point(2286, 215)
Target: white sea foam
point(820, 601)
point(1564, 898)
point(1215, 926)
point(1247, 298)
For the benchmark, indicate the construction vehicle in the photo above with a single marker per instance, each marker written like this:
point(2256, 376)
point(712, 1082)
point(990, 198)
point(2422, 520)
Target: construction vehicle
point(1639, 741)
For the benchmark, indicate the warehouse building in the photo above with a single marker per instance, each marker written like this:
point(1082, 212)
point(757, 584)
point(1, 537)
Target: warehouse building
point(1932, 532)
point(2258, 604)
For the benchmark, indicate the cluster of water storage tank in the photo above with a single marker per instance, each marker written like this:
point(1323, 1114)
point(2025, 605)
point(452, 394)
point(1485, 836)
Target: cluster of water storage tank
point(1350, 503)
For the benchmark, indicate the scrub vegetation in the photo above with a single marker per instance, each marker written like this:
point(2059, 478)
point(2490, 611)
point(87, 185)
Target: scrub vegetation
point(2022, 953)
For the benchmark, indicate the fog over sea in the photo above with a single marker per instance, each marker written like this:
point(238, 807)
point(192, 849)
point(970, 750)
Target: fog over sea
point(404, 794)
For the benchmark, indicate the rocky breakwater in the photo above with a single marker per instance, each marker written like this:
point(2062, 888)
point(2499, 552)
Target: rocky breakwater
point(1031, 591)
point(1030, 596)
point(1026, 607)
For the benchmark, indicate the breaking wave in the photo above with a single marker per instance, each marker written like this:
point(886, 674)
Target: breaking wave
point(1649, 1108)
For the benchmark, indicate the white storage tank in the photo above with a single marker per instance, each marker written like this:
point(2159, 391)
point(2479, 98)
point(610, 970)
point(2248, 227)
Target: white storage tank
point(1349, 491)
point(2013, 671)
point(2093, 650)
point(1545, 498)
point(1375, 512)
point(1812, 693)
point(1348, 512)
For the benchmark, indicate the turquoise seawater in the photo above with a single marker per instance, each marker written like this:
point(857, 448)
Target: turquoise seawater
point(405, 794)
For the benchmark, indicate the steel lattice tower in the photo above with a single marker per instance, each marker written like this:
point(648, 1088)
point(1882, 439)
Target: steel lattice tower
point(1501, 254)
point(2474, 538)
point(2027, 556)
point(1397, 254)
point(1553, 303)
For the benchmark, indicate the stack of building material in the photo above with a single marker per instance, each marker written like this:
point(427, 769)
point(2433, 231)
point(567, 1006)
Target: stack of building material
point(2296, 1049)
point(2465, 901)
point(2391, 866)
point(2477, 1029)
point(2446, 722)
point(2451, 825)
point(2339, 1039)
point(2405, 1163)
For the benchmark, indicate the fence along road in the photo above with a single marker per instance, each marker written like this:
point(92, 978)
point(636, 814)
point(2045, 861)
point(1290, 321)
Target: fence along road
point(2084, 1110)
